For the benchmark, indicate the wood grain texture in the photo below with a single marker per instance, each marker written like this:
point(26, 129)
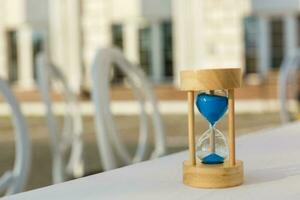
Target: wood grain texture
point(231, 127)
point(213, 176)
point(210, 79)
point(191, 127)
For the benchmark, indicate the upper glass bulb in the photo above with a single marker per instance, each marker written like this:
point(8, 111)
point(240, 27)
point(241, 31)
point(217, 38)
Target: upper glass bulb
point(212, 105)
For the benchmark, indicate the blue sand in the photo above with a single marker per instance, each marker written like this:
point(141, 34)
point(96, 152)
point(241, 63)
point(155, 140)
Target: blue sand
point(212, 107)
point(213, 159)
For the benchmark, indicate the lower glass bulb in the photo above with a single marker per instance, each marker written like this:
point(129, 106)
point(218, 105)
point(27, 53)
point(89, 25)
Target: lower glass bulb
point(212, 147)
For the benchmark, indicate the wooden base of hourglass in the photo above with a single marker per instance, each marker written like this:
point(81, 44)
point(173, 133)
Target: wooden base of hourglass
point(213, 176)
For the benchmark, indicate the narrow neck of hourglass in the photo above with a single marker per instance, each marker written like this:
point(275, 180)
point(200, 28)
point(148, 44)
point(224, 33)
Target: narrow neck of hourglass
point(212, 125)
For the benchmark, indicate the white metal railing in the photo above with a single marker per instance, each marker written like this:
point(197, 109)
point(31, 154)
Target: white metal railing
point(13, 181)
point(287, 74)
point(107, 132)
point(71, 134)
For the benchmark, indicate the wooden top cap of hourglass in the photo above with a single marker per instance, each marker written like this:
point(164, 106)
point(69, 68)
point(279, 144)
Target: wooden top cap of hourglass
point(210, 79)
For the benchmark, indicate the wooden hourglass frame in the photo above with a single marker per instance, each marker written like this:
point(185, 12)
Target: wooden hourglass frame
point(195, 173)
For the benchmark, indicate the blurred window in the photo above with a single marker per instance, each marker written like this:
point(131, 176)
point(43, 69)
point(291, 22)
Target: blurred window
point(277, 47)
point(168, 49)
point(117, 35)
point(117, 39)
point(12, 55)
point(250, 31)
point(145, 49)
point(37, 43)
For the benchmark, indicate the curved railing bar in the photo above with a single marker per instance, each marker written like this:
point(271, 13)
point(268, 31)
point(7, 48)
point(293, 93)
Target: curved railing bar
point(72, 124)
point(72, 127)
point(108, 121)
point(5, 181)
point(14, 181)
point(43, 82)
point(104, 121)
point(104, 147)
point(146, 87)
point(287, 73)
point(121, 150)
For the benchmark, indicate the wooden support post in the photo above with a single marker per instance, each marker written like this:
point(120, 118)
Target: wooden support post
point(231, 127)
point(212, 139)
point(191, 128)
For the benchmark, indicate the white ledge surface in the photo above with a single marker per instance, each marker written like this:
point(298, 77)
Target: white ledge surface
point(272, 171)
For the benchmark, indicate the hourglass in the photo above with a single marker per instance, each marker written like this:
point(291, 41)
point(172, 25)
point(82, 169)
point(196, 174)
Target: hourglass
point(212, 162)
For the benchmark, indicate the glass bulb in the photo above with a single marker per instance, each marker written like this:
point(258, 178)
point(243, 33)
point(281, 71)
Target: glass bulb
point(212, 146)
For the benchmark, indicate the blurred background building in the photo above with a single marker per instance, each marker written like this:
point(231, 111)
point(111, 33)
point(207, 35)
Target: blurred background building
point(23, 24)
point(163, 37)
